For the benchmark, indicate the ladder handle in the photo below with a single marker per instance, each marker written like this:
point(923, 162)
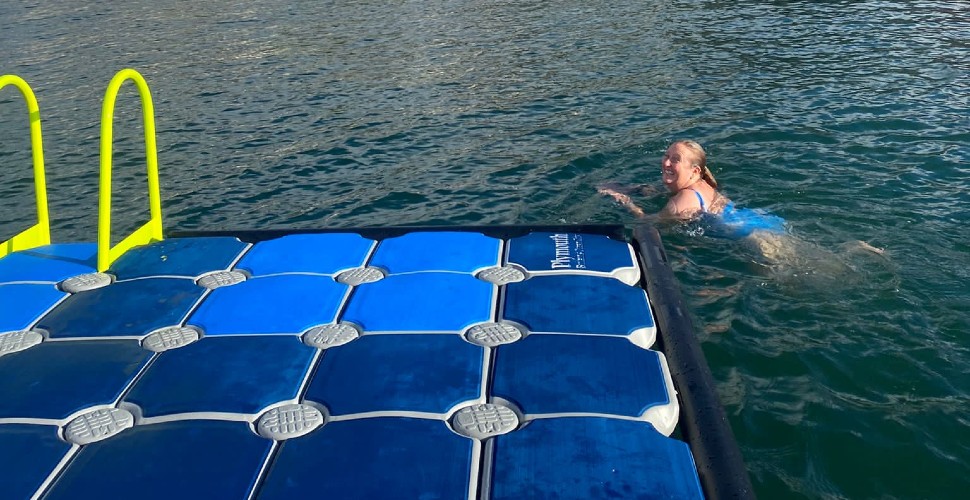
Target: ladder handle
point(40, 233)
point(152, 230)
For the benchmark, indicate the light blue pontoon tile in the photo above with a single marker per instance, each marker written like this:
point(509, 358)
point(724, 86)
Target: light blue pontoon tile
point(591, 458)
point(56, 379)
point(426, 373)
point(223, 374)
point(462, 252)
point(182, 459)
point(178, 257)
point(372, 458)
point(421, 302)
point(578, 304)
point(575, 253)
point(22, 304)
point(49, 263)
point(28, 454)
point(126, 308)
point(286, 304)
point(325, 253)
point(579, 373)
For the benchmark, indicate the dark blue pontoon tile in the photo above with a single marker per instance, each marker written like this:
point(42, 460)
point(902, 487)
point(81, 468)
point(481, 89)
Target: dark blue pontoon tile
point(545, 374)
point(223, 374)
point(581, 304)
point(373, 458)
point(178, 257)
point(125, 308)
point(423, 373)
point(51, 263)
point(28, 454)
point(289, 304)
point(592, 254)
point(462, 252)
point(421, 302)
point(23, 304)
point(325, 253)
point(591, 458)
point(56, 379)
point(182, 459)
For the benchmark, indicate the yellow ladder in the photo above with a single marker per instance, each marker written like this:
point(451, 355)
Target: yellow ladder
point(151, 230)
point(39, 234)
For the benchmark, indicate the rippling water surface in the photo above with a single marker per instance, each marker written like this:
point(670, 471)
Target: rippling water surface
point(844, 373)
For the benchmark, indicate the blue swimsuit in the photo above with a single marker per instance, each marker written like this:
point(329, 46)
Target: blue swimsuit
point(737, 223)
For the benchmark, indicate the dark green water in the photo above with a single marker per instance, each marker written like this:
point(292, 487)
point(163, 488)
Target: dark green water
point(845, 374)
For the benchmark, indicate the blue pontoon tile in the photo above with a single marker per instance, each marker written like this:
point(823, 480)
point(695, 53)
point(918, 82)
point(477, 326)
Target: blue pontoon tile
point(23, 304)
point(423, 373)
point(579, 373)
point(463, 252)
point(223, 374)
point(421, 302)
point(579, 304)
point(49, 263)
point(325, 253)
point(56, 379)
point(178, 257)
point(182, 459)
point(125, 308)
point(591, 458)
point(28, 454)
point(289, 304)
point(373, 458)
point(593, 254)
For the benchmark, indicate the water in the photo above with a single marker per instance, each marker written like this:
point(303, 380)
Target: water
point(844, 374)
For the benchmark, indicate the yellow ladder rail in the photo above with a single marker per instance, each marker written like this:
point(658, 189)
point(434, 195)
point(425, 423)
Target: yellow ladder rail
point(151, 230)
point(39, 234)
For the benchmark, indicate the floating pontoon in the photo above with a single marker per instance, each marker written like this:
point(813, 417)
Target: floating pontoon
point(438, 362)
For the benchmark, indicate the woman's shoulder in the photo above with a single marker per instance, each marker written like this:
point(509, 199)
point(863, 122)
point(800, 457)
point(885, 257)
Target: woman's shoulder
point(689, 203)
point(683, 204)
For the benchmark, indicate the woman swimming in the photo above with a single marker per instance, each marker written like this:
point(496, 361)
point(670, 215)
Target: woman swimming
point(694, 195)
point(684, 172)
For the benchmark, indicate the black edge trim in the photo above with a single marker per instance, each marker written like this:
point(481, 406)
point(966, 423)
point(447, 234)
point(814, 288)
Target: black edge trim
point(614, 231)
point(705, 427)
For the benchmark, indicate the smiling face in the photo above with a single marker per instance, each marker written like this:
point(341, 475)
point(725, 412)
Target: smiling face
point(679, 167)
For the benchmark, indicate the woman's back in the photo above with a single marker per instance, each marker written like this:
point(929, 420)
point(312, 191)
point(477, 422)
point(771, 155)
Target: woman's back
point(699, 198)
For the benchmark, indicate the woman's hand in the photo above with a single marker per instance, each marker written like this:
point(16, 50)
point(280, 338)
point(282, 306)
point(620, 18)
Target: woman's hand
point(622, 199)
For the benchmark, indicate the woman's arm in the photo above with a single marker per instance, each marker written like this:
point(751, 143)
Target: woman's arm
point(622, 199)
point(670, 212)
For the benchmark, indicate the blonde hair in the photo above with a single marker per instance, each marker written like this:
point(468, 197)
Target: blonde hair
point(701, 160)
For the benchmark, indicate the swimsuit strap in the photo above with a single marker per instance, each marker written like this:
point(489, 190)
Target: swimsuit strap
point(700, 199)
